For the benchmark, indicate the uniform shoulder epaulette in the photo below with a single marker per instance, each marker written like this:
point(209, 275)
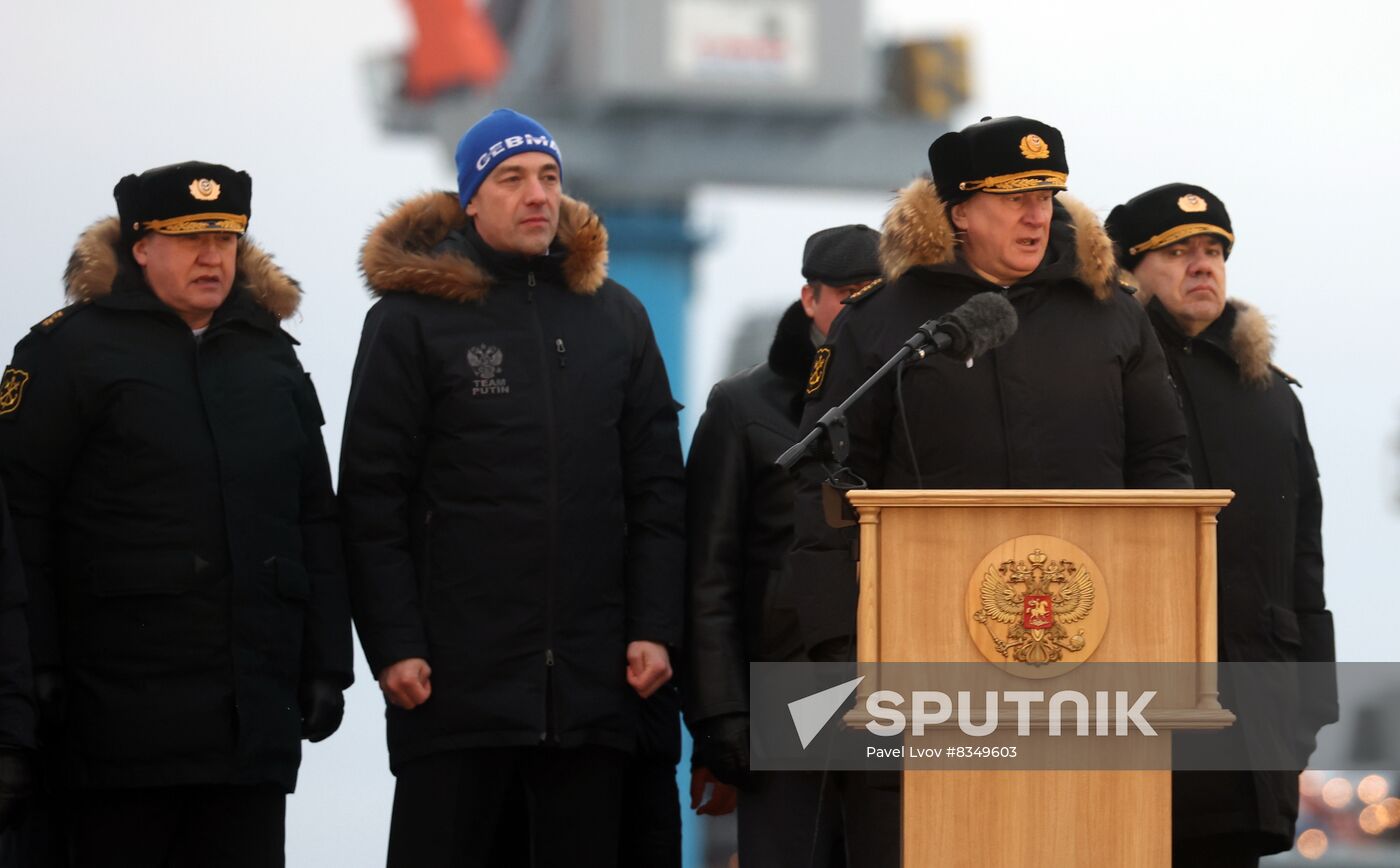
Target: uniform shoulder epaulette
point(58, 317)
point(1126, 281)
point(1287, 377)
point(865, 291)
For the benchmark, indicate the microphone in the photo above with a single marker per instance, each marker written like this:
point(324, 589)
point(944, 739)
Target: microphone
point(982, 322)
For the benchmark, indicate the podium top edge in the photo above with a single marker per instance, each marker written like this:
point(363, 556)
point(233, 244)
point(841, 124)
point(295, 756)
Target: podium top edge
point(1081, 497)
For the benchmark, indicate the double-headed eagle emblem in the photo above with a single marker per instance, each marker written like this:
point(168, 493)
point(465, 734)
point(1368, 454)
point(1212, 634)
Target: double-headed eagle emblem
point(485, 360)
point(1035, 598)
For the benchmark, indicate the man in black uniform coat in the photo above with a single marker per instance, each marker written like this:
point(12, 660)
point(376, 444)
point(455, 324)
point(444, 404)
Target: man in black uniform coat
point(512, 483)
point(172, 499)
point(1247, 434)
point(739, 527)
point(16, 682)
point(1077, 398)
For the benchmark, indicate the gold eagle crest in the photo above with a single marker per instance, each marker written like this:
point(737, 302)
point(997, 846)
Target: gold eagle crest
point(1191, 203)
point(205, 189)
point(1032, 608)
point(1033, 147)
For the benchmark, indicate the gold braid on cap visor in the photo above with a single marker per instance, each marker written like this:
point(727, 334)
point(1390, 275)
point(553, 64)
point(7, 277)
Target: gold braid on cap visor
point(188, 223)
point(1176, 233)
point(1037, 180)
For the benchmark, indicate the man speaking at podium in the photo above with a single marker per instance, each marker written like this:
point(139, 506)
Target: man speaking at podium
point(1078, 397)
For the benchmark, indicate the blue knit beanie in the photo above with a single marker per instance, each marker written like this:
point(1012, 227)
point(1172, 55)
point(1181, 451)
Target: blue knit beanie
point(494, 139)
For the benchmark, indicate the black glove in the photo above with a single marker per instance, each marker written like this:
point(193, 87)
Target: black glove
point(16, 783)
point(322, 708)
point(722, 746)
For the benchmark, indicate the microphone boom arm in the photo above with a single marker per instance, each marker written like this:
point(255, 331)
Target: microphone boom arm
point(832, 424)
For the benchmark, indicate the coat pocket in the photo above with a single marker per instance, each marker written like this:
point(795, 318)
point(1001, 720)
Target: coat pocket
point(1285, 625)
point(290, 578)
point(143, 618)
point(145, 575)
point(276, 623)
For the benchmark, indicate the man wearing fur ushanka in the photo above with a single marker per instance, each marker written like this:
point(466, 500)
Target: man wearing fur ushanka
point(1077, 398)
point(512, 485)
point(1247, 434)
point(161, 446)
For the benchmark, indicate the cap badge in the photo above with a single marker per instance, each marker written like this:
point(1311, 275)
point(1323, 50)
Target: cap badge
point(205, 189)
point(1191, 203)
point(1033, 147)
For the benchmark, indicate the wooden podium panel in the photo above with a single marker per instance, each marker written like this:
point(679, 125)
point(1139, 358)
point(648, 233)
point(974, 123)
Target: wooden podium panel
point(1154, 552)
point(991, 818)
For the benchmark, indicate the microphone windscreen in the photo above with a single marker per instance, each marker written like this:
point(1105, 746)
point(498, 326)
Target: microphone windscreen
point(987, 320)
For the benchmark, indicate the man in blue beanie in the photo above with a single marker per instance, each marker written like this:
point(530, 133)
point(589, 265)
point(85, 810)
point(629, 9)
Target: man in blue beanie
point(512, 490)
point(513, 216)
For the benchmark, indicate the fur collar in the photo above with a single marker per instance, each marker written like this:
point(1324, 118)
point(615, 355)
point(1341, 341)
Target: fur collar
point(1241, 332)
point(790, 354)
point(92, 268)
point(917, 232)
point(400, 256)
point(1251, 343)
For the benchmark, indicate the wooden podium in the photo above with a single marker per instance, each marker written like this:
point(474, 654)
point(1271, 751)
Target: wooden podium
point(931, 561)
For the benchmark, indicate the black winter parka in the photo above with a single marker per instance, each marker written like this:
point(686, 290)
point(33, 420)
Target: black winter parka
point(512, 484)
point(1077, 398)
point(16, 673)
point(173, 502)
point(1248, 434)
point(739, 524)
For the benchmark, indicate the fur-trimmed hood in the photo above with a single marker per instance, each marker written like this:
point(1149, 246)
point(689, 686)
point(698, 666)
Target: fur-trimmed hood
point(401, 253)
point(1241, 331)
point(92, 269)
point(1251, 343)
point(917, 233)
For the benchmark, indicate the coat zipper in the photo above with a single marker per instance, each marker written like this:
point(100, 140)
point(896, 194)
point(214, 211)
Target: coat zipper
point(551, 510)
point(1001, 409)
point(197, 343)
point(425, 576)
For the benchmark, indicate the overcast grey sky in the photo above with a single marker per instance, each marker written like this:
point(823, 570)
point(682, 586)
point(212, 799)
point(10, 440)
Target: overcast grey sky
point(1287, 111)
